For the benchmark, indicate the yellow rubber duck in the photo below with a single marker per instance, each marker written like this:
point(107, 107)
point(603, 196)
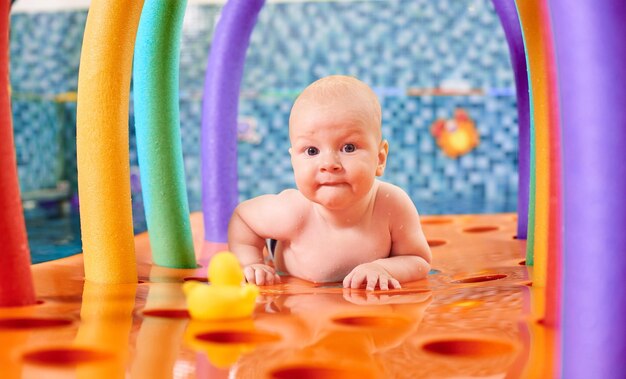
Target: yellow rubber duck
point(225, 298)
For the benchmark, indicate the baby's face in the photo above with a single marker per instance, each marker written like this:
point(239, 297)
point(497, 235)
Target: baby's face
point(336, 153)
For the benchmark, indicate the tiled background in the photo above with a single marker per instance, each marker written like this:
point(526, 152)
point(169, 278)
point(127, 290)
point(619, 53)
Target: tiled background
point(393, 45)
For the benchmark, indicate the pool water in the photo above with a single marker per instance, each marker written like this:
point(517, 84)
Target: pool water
point(55, 237)
point(54, 232)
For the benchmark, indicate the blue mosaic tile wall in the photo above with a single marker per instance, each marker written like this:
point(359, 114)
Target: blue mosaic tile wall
point(393, 45)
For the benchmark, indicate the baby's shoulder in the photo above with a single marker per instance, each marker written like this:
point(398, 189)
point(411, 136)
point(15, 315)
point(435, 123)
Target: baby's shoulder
point(283, 205)
point(388, 193)
point(289, 193)
point(294, 200)
point(293, 196)
point(395, 204)
point(391, 199)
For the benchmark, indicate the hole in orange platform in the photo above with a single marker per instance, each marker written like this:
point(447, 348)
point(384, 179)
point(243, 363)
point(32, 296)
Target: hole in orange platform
point(372, 321)
point(468, 347)
point(480, 229)
point(436, 221)
point(481, 278)
point(317, 372)
point(522, 263)
point(435, 243)
point(65, 357)
point(236, 336)
point(167, 313)
point(196, 278)
point(33, 323)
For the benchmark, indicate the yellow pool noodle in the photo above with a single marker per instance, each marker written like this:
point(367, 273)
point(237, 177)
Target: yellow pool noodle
point(102, 141)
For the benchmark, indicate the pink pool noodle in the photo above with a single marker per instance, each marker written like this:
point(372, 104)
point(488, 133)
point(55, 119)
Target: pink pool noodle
point(590, 55)
point(16, 284)
point(555, 222)
point(219, 115)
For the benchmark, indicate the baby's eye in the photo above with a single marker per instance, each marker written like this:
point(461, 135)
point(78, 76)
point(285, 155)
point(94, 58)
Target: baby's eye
point(312, 151)
point(348, 148)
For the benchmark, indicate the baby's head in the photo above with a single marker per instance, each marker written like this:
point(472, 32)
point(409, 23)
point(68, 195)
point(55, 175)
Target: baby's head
point(340, 93)
point(337, 148)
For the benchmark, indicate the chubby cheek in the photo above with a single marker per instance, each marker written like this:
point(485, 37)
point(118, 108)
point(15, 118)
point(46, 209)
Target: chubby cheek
point(362, 184)
point(361, 177)
point(305, 179)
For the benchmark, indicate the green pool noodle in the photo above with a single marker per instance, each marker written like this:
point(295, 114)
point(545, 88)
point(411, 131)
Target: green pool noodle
point(157, 126)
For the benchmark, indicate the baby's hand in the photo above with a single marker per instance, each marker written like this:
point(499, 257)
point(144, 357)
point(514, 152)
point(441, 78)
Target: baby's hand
point(260, 274)
point(372, 274)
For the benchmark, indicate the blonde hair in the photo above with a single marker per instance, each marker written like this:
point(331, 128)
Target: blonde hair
point(326, 89)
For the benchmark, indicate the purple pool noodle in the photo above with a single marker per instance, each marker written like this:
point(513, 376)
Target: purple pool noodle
point(507, 11)
point(219, 115)
point(590, 55)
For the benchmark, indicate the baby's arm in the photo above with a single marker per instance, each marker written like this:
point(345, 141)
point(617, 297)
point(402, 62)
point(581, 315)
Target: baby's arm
point(255, 220)
point(410, 256)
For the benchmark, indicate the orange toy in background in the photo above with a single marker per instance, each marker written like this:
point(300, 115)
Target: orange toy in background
point(457, 136)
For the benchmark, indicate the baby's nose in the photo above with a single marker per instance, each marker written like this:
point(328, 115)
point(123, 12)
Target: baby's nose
point(330, 162)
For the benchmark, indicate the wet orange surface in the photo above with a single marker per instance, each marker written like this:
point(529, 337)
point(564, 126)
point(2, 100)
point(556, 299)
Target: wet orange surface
point(477, 315)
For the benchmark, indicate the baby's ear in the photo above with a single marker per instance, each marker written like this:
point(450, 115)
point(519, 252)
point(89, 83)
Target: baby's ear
point(383, 151)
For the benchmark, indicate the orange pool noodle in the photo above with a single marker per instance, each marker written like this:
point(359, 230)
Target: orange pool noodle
point(535, 42)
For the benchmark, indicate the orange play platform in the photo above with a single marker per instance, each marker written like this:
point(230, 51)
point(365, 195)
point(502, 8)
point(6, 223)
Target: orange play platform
point(477, 315)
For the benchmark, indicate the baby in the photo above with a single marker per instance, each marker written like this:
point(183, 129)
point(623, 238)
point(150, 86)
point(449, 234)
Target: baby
point(341, 223)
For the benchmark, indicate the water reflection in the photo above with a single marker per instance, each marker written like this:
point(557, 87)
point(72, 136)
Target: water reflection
point(339, 333)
